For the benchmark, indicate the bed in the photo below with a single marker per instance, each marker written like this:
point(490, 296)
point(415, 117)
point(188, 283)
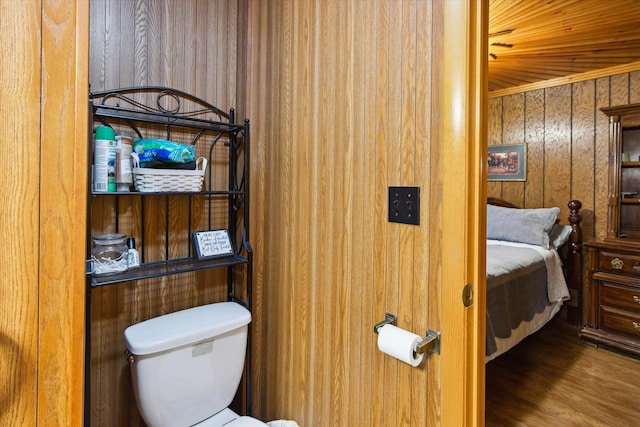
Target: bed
point(533, 269)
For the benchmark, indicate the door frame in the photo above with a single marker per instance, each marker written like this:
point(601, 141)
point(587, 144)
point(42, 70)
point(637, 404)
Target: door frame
point(463, 100)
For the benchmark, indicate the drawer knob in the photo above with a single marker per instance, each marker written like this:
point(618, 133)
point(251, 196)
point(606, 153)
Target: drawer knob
point(636, 325)
point(617, 263)
point(636, 266)
point(636, 298)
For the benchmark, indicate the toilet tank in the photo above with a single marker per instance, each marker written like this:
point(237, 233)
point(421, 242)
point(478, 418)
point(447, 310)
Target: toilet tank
point(187, 365)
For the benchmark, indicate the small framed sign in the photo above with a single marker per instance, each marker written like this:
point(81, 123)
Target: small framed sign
point(212, 244)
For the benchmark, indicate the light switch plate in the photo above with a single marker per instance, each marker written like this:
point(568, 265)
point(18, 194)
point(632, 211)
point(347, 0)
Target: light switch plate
point(404, 205)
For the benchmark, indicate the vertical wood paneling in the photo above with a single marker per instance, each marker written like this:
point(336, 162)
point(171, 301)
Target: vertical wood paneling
point(513, 127)
point(619, 90)
point(360, 274)
point(349, 102)
point(305, 180)
point(583, 149)
point(341, 378)
point(494, 121)
point(287, 104)
point(125, 407)
point(407, 170)
point(382, 164)
point(494, 137)
point(421, 271)
point(44, 200)
point(601, 167)
point(391, 143)
point(534, 138)
point(257, 84)
point(19, 289)
point(557, 152)
point(634, 87)
point(333, 356)
point(371, 305)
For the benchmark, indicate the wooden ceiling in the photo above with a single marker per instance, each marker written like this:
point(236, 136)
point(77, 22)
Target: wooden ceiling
point(531, 41)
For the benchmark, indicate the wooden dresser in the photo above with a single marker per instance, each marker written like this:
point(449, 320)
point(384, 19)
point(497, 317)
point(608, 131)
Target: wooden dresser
point(613, 317)
point(613, 305)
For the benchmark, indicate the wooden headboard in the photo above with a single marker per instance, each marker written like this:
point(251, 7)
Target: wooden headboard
point(571, 255)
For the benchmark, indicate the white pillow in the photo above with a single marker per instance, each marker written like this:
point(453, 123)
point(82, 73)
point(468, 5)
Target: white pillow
point(531, 226)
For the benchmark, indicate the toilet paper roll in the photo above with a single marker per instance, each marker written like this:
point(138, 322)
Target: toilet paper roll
point(399, 343)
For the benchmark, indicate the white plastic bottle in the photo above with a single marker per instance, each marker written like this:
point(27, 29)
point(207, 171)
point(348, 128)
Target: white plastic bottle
point(124, 146)
point(134, 255)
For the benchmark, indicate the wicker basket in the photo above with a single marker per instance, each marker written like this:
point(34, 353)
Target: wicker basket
point(149, 180)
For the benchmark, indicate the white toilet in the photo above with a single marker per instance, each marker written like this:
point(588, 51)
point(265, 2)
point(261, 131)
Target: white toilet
point(186, 366)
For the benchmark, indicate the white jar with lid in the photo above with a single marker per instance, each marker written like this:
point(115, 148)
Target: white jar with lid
point(109, 254)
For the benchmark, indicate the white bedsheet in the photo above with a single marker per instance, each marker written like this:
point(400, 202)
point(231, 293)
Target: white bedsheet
point(557, 289)
point(557, 292)
point(524, 330)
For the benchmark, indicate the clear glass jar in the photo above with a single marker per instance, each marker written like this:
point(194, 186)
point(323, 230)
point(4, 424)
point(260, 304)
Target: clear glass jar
point(109, 254)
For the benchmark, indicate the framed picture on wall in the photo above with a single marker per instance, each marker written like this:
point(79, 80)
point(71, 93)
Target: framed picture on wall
point(507, 162)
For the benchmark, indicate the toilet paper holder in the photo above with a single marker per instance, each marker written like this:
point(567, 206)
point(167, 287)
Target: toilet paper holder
point(389, 319)
point(431, 343)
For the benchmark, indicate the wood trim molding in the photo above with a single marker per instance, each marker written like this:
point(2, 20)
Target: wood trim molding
point(62, 213)
point(591, 75)
point(463, 108)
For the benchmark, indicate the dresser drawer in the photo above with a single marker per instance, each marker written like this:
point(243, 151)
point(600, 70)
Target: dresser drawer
point(613, 316)
point(616, 295)
point(619, 262)
point(620, 321)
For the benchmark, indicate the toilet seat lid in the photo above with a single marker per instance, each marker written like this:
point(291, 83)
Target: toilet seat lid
point(185, 327)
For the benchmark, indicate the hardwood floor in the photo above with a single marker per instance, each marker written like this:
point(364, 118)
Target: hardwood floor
point(552, 379)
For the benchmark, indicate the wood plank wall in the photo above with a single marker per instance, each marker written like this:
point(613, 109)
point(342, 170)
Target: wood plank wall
point(342, 106)
point(19, 287)
point(191, 46)
point(567, 145)
point(43, 206)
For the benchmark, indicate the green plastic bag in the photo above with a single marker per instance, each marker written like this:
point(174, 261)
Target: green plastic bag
point(166, 151)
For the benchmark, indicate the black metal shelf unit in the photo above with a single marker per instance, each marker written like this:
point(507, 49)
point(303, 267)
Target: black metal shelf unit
point(166, 268)
point(149, 111)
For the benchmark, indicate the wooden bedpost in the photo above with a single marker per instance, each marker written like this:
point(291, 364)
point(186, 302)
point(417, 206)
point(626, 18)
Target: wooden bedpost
point(573, 260)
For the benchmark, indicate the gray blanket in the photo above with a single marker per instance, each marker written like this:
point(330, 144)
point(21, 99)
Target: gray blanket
point(516, 289)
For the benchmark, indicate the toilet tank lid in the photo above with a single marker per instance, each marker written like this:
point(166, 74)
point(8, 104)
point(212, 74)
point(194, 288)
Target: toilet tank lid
point(185, 327)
